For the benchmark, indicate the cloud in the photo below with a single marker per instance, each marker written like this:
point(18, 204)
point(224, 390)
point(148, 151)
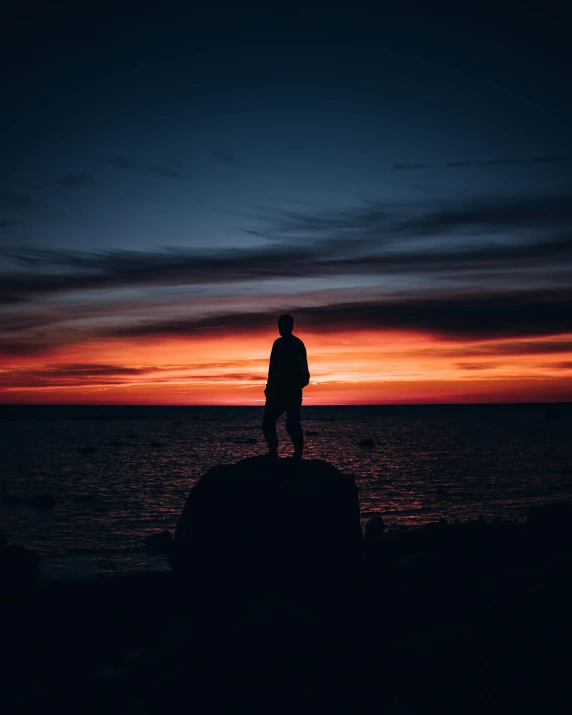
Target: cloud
point(494, 214)
point(382, 222)
point(174, 171)
point(68, 374)
point(476, 366)
point(107, 269)
point(122, 162)
point(79, 180)
point(369, 223)
point(93, 374)
point(90, 370)
point(547, 159)
point(234, 376)
point(4, 223)
point(468, 317)
point(518, 161)
point(416, 255)
point(14, 201)
point(393, 244)
point(28, 346)
point(524, 347)
point(225, 157)
point(409, 167)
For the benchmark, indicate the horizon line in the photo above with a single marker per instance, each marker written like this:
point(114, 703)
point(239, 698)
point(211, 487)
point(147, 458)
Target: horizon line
point(365, 404)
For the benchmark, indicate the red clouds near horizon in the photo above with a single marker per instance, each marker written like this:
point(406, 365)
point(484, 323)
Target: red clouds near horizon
point(466, 302)
point(366, 367)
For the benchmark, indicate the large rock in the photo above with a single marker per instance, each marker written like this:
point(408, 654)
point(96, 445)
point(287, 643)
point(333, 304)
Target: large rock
point(375, 526)
point(261, 527)
point(42, 501)
point(17, 565)
point(161, 541)
point(550, 519)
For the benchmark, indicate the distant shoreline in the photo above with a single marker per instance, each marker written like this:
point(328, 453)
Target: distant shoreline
point(4, 405)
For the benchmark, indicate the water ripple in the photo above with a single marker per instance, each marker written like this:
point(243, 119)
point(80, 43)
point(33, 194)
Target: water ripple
point(115, 480)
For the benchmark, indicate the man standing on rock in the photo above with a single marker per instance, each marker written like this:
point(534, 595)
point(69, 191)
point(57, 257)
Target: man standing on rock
point(287, 375)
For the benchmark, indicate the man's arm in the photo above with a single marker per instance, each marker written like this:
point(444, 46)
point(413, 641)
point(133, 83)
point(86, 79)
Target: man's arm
point(271, 380)
point(304, 369)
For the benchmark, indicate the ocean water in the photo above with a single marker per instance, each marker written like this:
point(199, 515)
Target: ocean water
point(117, 474)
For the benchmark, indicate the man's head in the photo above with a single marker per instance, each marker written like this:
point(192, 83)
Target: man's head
point(285, 324)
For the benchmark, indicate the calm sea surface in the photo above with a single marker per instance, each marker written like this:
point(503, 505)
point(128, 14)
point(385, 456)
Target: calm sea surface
point(119, 473)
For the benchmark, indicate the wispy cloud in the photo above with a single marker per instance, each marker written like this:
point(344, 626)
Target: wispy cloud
point(122, 162)
point(512, 161)
point(81, 374)
point(516, 252)
point(225, 157)
point(121, 269)
point(409, 167)
point(170, 170)
point(494, 214)
point(476, 366)
point(468, 317)
point(524, 161)
point(29, 345)
point(173, 170)
point(524, 347)
point(68, 374)
point(384, 221)
point(14, 201)
point(79, 180)
point(367, 240)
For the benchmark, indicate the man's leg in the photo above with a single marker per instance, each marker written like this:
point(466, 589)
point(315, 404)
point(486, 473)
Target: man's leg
point(294, 428)
point(271, 413)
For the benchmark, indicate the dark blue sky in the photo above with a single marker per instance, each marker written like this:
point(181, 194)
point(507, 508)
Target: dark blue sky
point(298, 155)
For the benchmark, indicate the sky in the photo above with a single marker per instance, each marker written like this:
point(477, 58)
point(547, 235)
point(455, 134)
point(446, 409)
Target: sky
point(398, 177)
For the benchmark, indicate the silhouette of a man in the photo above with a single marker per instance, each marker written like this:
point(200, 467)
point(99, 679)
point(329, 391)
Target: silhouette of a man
point(287, 374)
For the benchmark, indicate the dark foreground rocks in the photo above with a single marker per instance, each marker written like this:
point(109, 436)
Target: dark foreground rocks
point(18, 566)
point(268, 526)
point(448, 618)
point(551, 520)
point(161, 541)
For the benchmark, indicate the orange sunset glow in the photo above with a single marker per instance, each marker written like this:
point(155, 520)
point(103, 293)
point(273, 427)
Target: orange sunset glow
point(346, 368)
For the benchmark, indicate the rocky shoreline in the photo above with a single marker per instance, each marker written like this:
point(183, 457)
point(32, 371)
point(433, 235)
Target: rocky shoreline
point(462, 618)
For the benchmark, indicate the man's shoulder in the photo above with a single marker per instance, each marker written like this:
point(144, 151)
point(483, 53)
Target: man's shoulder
point(288, 340)
point(299, 346)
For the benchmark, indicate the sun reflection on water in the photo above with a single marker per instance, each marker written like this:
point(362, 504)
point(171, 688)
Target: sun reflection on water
point(118, 474)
